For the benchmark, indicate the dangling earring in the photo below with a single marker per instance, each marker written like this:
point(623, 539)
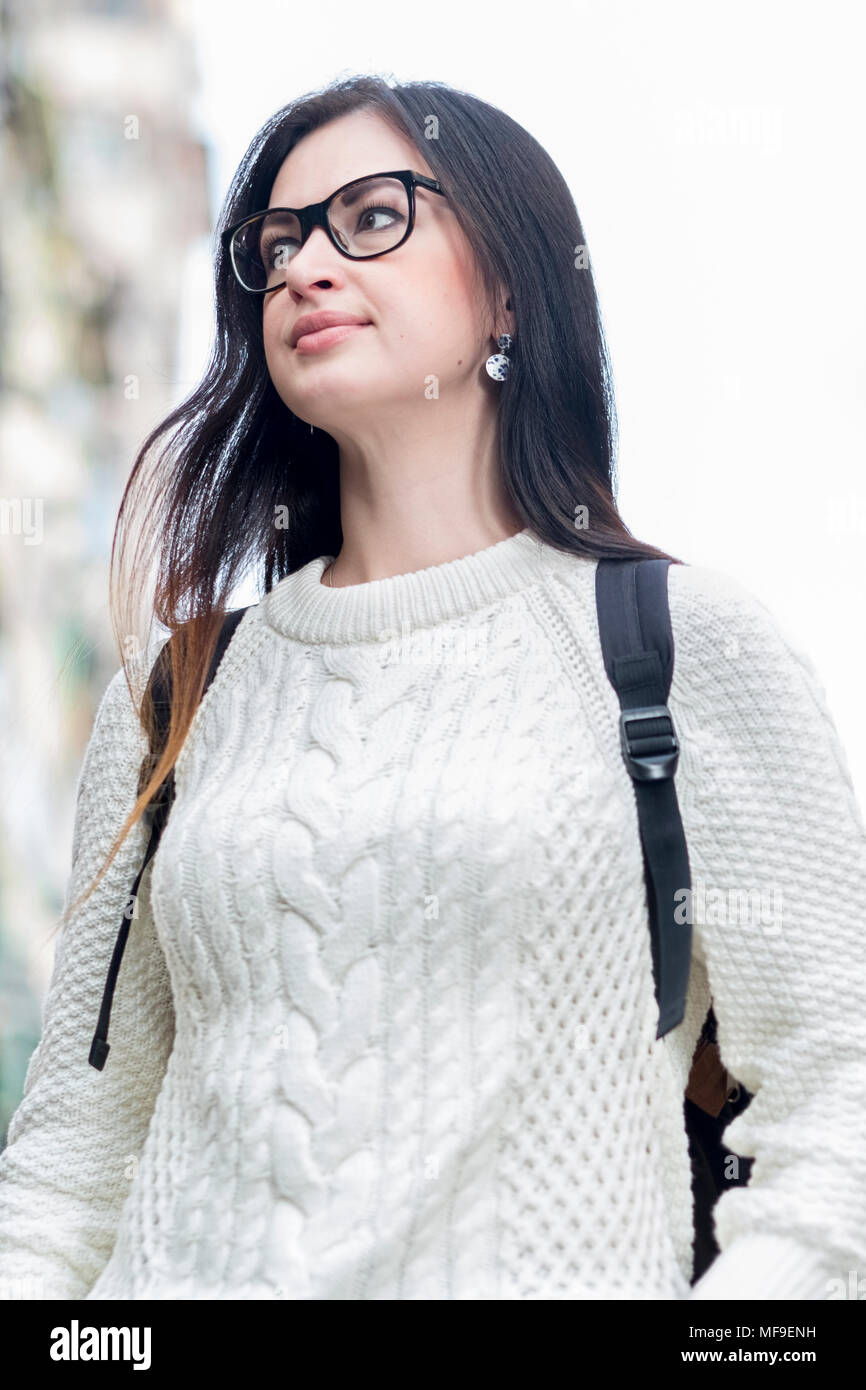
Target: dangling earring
point(497, 365)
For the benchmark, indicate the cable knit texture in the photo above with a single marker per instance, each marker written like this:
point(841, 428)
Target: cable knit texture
point(385, 1026)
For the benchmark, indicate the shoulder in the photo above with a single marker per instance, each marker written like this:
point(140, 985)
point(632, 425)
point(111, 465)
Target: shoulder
point(125, 689)
point(743, 678)
point(117, 737)
point(723, 627)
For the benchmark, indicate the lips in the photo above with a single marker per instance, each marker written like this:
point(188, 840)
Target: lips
point(328, 318)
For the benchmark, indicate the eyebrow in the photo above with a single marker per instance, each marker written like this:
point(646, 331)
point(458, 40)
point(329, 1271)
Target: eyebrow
point(351, 195)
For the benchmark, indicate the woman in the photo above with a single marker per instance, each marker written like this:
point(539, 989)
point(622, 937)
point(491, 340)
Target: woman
point(386, 1027)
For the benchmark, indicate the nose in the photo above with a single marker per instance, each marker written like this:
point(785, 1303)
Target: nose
point(316, 260)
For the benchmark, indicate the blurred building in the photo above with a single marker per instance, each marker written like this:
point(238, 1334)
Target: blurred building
point(104, 196)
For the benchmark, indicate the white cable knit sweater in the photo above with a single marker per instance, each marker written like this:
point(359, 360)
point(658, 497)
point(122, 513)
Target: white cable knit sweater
point(385, 1026)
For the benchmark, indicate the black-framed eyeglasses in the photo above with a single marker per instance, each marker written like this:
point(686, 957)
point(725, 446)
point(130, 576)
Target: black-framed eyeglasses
point(365, 218)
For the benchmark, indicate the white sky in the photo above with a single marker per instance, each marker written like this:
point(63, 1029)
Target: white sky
point(715, 155)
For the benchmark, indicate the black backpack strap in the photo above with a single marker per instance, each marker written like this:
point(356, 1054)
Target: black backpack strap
point(638, 648)
point(155, 814)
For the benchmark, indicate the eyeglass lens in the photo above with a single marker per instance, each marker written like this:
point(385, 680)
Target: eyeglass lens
point(366, 219)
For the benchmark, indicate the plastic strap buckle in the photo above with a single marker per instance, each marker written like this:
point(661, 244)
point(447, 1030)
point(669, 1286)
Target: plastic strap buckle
point(652, 755)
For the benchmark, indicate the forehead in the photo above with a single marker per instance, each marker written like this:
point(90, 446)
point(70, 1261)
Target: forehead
point(359, 143)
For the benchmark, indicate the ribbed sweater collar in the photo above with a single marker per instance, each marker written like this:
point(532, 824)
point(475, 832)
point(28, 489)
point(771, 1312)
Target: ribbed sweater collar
point(302, 607)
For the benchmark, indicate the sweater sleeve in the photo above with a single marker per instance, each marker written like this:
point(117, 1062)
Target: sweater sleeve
point(777, 847)
point(74, 1141)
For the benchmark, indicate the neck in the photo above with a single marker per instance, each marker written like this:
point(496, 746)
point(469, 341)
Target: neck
point(417, 496)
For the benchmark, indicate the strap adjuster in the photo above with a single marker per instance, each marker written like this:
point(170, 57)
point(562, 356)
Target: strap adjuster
point(650, 754)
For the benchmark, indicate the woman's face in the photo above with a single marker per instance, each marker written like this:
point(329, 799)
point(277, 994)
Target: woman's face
point(427, 318)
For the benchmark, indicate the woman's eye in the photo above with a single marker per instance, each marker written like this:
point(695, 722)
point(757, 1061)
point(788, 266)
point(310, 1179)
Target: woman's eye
point(278, 251)
point(365, 218)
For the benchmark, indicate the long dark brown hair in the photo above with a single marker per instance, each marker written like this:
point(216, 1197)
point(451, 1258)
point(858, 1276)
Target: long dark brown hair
point(206, 484)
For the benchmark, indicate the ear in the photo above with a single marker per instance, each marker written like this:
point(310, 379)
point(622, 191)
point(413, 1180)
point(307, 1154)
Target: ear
point(504, 319)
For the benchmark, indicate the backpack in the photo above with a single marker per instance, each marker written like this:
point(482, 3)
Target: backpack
point(638, 650)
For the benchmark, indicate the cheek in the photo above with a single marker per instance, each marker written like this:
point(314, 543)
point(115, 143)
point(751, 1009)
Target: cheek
point(455, 306)
point(271, 328)
point(454, 272)
point(430, 313)
point(277, 355)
